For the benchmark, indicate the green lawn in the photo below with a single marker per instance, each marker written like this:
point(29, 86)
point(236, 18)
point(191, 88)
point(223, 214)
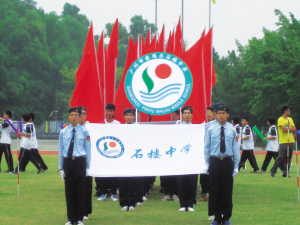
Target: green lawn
point(257, 199)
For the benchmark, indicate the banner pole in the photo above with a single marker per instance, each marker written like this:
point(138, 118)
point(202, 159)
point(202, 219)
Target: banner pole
point(296, 139)
point(287, 153)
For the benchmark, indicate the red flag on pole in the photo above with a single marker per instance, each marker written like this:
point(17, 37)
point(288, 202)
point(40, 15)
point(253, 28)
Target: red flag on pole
point(122, 101)
point(87, 91)
point(208, 68)
point(170, 44)
point(194, 59)
point(178, 40)
point(110, 72)
point(101, 67)
point(160, 47)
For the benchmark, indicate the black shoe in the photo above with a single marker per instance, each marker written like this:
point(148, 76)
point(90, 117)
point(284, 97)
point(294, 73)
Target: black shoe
point(272, 173)
point(284, 175)
point(97, 194)
point(14, 172)
point(254, 171)
point(22, 171)
point(7, 171)
point(161, 191)
point(39, 171)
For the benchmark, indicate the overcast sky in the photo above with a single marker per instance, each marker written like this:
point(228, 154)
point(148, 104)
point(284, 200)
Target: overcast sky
point(232, 19)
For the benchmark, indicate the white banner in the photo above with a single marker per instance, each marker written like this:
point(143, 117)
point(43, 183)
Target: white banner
point(146, 150)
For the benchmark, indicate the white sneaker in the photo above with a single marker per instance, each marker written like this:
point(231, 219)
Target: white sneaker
point(139, 204)
point(175, 198)
point(182, 209)
point(102, 198)
point(113, 198)
point(145, 198)
point(211, 218)
point(131, 208)
point(86, 218)
point(125, 208)
point(80, 222)
point(67, 223)
point(190, 209)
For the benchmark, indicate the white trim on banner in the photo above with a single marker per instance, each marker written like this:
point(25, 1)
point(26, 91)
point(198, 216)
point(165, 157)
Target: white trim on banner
point(128, 150)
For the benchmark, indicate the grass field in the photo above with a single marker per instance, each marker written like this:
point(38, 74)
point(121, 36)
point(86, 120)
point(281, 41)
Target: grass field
point(258, 199)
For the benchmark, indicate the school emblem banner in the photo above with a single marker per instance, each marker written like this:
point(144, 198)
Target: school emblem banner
point(146, 150)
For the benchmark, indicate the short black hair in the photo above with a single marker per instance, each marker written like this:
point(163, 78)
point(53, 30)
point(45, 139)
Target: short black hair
point(26, 117)
point(129, 110)
point(187, 108)
point(271, 120)
point(82, 108)
point(246, 118)
point(32, 116)
point(110, 106)
point(177, 111)
point(210, 108)
point(236, 120)
point(285, 108)
point(9, 113)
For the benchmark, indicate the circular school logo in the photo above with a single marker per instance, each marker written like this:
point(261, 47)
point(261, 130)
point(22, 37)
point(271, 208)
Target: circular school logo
point(158, 83)
point(110, 147)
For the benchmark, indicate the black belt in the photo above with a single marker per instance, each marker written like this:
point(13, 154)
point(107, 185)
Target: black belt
point(221, 158)
point(75, 158)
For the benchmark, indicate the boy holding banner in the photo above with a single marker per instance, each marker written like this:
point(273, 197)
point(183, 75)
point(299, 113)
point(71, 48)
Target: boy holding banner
point(221, 152)
point(6, 141)
point(187, 184)
point(128, 186)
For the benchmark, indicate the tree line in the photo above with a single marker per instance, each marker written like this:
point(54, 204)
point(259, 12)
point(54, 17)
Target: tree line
point(40, 53)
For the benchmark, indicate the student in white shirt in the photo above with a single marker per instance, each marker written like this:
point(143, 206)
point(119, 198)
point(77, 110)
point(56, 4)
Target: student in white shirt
point(6, 141)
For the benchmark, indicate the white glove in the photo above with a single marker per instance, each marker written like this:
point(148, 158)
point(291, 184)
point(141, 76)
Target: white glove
point(206, 170)
point(235, 172)
point(62, 174)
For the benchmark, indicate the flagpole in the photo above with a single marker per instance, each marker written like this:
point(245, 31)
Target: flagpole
point(156, 15)
point(209, 12)
point(182, 19)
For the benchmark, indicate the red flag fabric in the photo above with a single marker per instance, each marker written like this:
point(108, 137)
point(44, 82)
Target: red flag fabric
point(87, 91)
point(178, 40)
point(122, 101)
point(214, 79)
point(101, 67)
point(207, 53)
point(194, 59)
point(170, 44)
point(110, 71)
point(160, 47)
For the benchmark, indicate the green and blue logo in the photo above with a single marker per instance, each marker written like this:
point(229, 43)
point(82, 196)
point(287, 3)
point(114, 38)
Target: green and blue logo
point(158, 83)
point(110, 147)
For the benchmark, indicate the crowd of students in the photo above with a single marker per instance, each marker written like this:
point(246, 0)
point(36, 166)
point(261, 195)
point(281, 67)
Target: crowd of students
point(222, 159)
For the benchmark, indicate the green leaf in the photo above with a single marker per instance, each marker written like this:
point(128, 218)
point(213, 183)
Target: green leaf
point(148, 81)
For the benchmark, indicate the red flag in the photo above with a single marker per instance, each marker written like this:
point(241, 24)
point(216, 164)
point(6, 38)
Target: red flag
point(110, 72)
point(160, 47)
point(214, 79)
point(194, 59)
point(101, 67)
point(122, 101)
point(207, 53)
point(87, 91)
point(146, 49)
point(178, 40)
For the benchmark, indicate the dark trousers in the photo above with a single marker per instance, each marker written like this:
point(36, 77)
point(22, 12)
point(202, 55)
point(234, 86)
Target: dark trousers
point(170, 185)
point(88, 195)
point(282, 158)
point(75, 179)
point(221, 185)
point(103, 184)
point(128, 187)
point(26, 156)
point(187, 189)
point(140, 189)
point(37, 157)
point(8, 157)
point(268, 158)
point(248, 154)
point(204, 182)
point(148, 181)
